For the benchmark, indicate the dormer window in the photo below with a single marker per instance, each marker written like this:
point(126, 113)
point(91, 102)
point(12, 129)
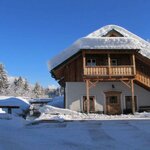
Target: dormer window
point(91, 62)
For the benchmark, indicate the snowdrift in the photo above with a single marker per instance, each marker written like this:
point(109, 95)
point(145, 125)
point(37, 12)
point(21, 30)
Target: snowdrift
point(59, 114)
point(53, 113)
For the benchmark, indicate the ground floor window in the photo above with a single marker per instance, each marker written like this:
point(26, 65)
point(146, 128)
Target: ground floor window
point(91, 104)
point(128, 102)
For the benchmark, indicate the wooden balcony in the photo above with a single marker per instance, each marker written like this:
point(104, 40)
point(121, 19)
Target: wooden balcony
point(144, 79)
point(109, 71)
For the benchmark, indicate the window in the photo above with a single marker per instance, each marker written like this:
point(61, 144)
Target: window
point(91, 104)
point(114, 62)
point(128, 100)
point(91, 62)
point(113, 99)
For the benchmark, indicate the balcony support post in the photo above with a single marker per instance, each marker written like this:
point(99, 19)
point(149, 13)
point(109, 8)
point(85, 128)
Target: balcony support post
point(133, 63)
point(87, 94)
point(109, 65)
point(130, 84)
point(84, 61)
point(132, 92)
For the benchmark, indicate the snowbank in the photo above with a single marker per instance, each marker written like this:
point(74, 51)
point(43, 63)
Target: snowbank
point(57, 102)
point(59, 114)
point(15, 101)
point(53, 113)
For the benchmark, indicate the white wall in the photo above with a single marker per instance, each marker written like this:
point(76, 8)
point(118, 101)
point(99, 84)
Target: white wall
point(76, 90)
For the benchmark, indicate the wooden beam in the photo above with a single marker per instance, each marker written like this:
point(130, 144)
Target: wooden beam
point(109, 64)
point(132, 92)
point(127, 83)
point(84, 61)
point(92, 84)
point(106, 79)
point(105, 51)
point(133, 62)
point(87, 95)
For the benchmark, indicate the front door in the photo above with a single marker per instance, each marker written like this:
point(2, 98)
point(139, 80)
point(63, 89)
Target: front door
point(113, 106)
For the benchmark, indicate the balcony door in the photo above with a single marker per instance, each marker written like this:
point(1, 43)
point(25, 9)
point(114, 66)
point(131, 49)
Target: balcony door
point(113, 104)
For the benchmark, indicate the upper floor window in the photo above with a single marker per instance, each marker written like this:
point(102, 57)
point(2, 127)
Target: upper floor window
point(91, 62)
point(114, 62)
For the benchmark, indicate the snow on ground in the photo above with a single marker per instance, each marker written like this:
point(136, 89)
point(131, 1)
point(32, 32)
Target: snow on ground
point(16, 134)
point(14, 101)
point(57, 101)
point(75, 131)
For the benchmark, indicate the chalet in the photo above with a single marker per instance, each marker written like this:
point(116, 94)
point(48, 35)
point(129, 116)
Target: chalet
point(108, 71)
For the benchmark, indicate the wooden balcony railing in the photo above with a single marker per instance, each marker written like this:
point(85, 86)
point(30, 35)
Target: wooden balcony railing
point(108, 71)
point(145, 79)
point(121, 70)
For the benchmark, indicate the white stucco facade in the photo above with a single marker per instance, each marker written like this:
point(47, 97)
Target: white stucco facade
point(75, 91)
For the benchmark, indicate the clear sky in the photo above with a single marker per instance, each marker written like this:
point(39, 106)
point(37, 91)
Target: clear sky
point(33, 31)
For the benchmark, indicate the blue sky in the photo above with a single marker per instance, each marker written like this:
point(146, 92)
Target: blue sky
point(33, 31)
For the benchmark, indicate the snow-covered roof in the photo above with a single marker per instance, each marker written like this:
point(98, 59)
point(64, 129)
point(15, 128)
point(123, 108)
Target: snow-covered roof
point(15, 101)
point(96, 40)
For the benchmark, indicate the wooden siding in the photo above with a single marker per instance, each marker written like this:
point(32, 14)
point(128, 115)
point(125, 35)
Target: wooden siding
point(142, 67)
point(73, 71)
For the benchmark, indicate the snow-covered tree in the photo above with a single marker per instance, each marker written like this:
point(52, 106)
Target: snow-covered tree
point(37, 90)
point(20, 82)
point(26, 86)
point(3, 80)
point(18, 86)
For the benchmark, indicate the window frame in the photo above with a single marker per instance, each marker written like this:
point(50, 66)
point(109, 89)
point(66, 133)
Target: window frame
point(93, 99)
point(114, 64)
point(91, 63)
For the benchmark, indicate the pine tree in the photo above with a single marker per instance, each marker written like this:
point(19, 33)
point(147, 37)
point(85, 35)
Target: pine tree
point(18, 86)
point(37, 90)
point(3, 80)
point(20, 82)
point(26, 86)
